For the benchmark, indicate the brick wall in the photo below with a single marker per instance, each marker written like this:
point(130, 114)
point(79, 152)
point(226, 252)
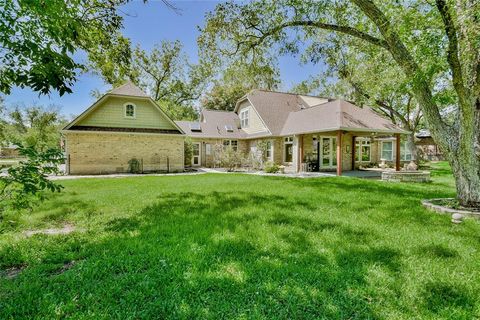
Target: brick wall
point(99, 153)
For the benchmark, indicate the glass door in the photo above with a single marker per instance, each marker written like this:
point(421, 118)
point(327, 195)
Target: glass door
point(196, 154)
point(328, 156)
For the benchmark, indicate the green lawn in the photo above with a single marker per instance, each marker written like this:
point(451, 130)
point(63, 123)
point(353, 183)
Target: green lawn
point(242, 246)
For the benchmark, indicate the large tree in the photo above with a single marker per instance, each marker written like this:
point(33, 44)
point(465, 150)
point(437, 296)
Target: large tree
point(432, 43)
point(236, 80)
point(165, 73)
point(39, 41)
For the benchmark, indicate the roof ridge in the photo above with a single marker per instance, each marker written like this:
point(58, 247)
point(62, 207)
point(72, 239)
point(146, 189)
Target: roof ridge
point(292, 93)
point(215, 110)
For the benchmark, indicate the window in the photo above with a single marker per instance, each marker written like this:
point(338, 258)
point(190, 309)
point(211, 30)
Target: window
point(288, 155)
point(129, 110)
point(363, 149)
point(387, 150)
point(231, 143)
point(208, 149)
point(288, 139)
point(269, 154)
point(195, 127)
point(244, 118)
point(405, 152)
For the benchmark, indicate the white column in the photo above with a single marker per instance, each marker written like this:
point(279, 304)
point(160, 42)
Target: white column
point(295, 159)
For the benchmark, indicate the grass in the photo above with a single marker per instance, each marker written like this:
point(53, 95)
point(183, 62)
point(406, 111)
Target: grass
point(241, 246)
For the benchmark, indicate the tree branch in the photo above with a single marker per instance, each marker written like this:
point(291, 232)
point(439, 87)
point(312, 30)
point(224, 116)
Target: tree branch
point(326, 26)
point(441, 132)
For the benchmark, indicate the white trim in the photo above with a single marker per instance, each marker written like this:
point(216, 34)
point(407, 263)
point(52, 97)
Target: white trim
point(66, 132)
point(244, 118)
point(393, 150)
point(360, 153)
point(199, 154)
point(125, 110)
point(333, 152)
point(107, 95)
point(284, 158)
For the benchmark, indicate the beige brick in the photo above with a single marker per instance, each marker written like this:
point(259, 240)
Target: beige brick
point(100, 153)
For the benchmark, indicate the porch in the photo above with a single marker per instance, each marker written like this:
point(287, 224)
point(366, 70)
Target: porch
point(342, 152)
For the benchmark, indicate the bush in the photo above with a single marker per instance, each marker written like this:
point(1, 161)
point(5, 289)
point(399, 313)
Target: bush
point(188, 151)
point(228, 158)
point(134, 166)
point(271, 167)
point(23, 184)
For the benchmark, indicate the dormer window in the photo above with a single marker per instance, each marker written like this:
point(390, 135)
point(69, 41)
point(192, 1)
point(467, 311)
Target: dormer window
point(130, 110)
point(244, 118)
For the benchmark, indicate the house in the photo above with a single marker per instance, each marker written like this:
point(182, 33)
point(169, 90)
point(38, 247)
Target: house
point(124, 128)
point(427, 148)
point(304, 133)
point(9, 151)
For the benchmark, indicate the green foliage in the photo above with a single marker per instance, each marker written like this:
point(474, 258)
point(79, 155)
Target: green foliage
point(229, 158)
point(188, 151)
point(271, 167)
point(248, 246)
point(39, 39)
point(236, 80)
point(134, 166)
point(24, 183)
point(34, 126)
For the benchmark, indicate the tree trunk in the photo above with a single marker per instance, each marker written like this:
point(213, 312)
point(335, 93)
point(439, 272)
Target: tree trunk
point(412, 147)
point(467, 179)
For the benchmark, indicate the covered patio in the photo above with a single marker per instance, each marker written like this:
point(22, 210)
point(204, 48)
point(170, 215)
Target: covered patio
point(336, 136)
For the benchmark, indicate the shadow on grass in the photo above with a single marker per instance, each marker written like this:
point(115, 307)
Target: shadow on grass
point(216, 255)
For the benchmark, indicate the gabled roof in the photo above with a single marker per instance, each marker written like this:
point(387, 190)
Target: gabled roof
point(128, 89)
point(337, 115)
point(213, 125)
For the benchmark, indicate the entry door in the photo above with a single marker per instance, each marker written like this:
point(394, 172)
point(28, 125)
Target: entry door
point(328, 154)
point(288, 152)
point(196, 154)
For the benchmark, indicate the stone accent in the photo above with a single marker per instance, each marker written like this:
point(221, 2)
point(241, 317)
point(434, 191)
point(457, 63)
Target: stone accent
point(457, 215)
point(104, 153)
point(406, 176)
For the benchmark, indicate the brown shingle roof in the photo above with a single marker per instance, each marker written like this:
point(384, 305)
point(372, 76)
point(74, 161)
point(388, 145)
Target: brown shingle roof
point(213, 125)
point(128, 89)
point(337, 115)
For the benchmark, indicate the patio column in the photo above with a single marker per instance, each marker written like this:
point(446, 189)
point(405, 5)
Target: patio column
point(354, 149)
point(397, 150)
point(300, 152)
point(339, 153)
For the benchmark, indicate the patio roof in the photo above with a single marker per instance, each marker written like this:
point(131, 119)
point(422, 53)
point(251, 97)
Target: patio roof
point(338, 115)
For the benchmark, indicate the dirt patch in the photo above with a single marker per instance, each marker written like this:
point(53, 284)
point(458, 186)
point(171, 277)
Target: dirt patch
point(66, 229)
point(66, 266)
point(12, 272)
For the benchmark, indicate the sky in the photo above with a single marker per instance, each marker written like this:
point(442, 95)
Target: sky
point(146, 24)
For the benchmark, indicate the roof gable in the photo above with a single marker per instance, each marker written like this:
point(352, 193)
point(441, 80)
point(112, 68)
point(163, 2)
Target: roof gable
point(109, 112)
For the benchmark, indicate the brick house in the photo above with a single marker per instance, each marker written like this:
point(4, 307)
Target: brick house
point(304, 133)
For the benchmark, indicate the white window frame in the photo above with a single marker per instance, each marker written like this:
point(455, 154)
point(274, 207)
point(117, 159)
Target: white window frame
point(125, 110)
point(229, 143)
point(360, 142)
point(269, 154)
point(286, 141)
point(405, 152)
point(391, 151)
point(245, 118)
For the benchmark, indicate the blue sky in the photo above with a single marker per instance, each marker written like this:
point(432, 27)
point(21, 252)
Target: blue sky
point(147, 24)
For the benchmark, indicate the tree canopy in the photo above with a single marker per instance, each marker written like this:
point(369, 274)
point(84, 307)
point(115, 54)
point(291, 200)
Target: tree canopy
point(436, 46)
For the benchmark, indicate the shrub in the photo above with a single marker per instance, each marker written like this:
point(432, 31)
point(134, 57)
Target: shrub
point(188, 151)
point(134, 166)
point(271, 167)
point(228, 158)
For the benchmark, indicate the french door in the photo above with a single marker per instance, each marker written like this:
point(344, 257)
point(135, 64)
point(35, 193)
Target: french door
point(196, 154)
point(328, 152)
